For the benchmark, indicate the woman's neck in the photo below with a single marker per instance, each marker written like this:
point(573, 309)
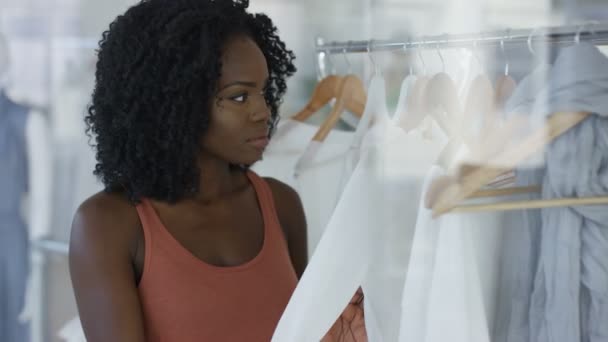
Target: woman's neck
point(217, 180)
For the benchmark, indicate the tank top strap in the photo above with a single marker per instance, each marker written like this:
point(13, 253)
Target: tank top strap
point(266, 199)
point(150, 226)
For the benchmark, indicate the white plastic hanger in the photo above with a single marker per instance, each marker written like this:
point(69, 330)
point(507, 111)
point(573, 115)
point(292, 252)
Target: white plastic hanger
point(376, 102)
point(401, 112)
point(415, 100)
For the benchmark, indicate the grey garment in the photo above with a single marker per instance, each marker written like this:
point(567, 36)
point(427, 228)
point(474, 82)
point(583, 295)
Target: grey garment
point(14, 259)
point(524, 95)
point(14, 268)
point(13, 161)
point(578, 82)
point(554, 272)
point(519, 259)
point(520, 240)
point(570, 297)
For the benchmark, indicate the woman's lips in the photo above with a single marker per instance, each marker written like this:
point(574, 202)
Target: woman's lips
point(259, 143)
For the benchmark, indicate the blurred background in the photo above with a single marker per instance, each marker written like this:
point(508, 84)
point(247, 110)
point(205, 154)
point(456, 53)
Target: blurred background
point(51, 44)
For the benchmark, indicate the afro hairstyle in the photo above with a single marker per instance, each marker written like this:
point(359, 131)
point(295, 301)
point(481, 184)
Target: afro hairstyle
point(156, 76)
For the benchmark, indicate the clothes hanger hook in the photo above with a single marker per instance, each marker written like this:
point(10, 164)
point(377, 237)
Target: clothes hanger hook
point(504, 52)
point(474, 52)
point(530, 47)
point(371, 57)
point(440, 56)
point(411, 70)
point(331, 62)
point(349, 70)
point(422, 59)
point(577, 38)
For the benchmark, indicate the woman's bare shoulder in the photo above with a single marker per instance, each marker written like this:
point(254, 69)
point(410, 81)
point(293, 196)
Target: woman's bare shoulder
point(105, 218)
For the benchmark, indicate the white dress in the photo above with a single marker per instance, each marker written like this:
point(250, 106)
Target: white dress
point(366, 240)
point(450, 288)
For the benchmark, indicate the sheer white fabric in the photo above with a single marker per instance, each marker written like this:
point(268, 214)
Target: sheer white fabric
point(450, 288)
point(366, 242)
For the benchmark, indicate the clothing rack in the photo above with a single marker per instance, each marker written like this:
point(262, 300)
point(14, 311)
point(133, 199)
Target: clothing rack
point(534, 38)
point(596, 33)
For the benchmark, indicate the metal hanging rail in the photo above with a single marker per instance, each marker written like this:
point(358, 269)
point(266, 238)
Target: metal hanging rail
point(596, 33)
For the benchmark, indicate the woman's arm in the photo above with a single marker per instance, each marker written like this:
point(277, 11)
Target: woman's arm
point(103, 233)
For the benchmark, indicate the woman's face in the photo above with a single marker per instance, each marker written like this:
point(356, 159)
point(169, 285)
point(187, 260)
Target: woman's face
point(239, 123)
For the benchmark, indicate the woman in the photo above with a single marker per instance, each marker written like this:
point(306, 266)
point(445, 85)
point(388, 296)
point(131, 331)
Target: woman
point(186, 244)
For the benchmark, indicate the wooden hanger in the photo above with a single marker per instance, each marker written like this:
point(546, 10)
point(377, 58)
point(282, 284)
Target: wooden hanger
point(484, 99)
point(494, 142)
point(505, 84)
point(455, 192)
point(533, 204)
point(441, 102)
point(352, 93)
point(326, 90)
point(415, 105)
point(489, 140)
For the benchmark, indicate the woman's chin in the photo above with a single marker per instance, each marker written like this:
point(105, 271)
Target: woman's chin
point(249, 160)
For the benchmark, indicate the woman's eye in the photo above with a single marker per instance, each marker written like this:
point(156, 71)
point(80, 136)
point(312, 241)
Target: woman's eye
point(240, 98)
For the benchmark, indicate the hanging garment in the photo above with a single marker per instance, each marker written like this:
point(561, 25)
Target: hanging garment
point(186, 299)
point(450, 288)
point(323, 163)
point(14, 251)
point(524, 95)
point(570, 295)
point(553, 281)
point(518, 262)
point(322, 178)
point(520, 238)
point(366, 240)
point(401, 115)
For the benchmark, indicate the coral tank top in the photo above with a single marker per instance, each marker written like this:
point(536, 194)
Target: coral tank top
point(185, 299)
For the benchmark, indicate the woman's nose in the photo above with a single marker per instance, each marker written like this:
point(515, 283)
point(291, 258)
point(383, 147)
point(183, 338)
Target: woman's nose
point(260, 110)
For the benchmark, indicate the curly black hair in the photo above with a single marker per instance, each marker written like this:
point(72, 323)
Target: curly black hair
point(158, 68)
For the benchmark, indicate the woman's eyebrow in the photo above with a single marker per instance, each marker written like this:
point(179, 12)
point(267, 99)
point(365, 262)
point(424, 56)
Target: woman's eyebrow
point(241, 83)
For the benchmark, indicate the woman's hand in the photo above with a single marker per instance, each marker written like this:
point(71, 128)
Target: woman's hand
point(350, 326)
